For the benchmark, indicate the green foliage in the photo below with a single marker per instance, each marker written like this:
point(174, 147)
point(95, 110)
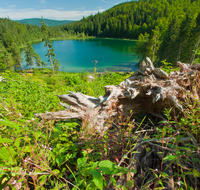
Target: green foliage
point(50, 53)
point(197, 54)
point(60, 155)
point(167, 67)
point(95, 66)
point(177, 128)
point(14, 36)
point(165, 29)
point(47, 150)
point(98, 170)
point(32, 57)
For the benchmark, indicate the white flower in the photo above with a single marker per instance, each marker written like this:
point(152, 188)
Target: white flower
point(26, 160)
point(14, 182)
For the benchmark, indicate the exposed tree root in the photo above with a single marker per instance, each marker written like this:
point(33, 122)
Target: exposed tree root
point(149, 90)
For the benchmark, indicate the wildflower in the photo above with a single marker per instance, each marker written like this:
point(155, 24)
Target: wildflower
point(179, 183)
point(26, 160)
point(133, 121)
point(50, 148)
point(177, 133)
point(14, 182)
point(156, 170)
point(44, 146)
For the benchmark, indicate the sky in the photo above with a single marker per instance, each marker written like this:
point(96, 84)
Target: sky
point(54, 9)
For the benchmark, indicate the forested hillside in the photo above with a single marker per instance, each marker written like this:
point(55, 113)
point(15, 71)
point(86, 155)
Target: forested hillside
point(167, 29)
point(14, 35)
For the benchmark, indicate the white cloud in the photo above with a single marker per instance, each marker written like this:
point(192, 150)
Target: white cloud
point(17, 14)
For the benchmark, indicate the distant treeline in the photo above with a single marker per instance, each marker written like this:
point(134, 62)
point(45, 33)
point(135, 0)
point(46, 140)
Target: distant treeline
point(14, 35)
point(166, 29)
point(48, 22)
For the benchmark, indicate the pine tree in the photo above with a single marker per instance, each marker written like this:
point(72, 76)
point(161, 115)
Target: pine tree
point(141, 49)
point(29, 56)
point(154, 42)
point(32, 57)
point(50, 53)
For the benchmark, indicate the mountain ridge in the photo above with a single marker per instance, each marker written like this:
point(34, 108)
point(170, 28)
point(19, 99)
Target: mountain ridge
point(48, 22)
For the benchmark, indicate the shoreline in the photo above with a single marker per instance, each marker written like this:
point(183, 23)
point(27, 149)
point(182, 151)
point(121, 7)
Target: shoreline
point(77, 38)
point(48, 70)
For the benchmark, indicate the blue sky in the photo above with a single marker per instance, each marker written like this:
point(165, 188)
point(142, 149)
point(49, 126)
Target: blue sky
point(54, 9)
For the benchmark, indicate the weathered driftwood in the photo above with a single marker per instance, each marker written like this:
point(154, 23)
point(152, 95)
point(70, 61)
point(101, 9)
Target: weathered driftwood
point(148, 90)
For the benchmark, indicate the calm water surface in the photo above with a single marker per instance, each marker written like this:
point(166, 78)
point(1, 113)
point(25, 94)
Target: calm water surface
point(77, 55)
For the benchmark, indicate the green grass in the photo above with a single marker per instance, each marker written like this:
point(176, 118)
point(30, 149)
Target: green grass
point(30, 93)
point(45, 155)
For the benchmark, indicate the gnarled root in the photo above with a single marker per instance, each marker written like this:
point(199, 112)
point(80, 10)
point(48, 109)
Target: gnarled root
point(148, 90)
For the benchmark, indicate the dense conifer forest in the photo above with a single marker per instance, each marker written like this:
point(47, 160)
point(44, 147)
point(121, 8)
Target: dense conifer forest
point(14, 35)
point(166, 29)
point(141, 134)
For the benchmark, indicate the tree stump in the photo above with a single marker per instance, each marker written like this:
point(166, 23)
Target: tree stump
point(149, 90)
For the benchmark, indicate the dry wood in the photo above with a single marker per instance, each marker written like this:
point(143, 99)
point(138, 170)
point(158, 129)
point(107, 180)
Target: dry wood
point(148, 90)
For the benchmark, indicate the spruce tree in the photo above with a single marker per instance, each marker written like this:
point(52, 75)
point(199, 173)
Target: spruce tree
point(50, 53)
point(32, 57)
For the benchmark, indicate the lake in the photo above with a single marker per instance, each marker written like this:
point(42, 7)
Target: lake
point(77, 55)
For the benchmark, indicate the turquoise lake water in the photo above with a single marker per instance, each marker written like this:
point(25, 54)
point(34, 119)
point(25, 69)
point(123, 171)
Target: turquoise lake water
point(77, 55)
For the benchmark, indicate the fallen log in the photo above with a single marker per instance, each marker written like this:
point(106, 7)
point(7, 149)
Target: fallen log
point(148, 90)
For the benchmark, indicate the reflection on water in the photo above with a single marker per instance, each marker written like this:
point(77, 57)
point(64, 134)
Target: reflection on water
point(77, 55)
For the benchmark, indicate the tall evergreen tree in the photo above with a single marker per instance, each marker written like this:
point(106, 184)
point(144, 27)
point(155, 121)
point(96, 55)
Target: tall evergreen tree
point(50, 53)
point(29, 56)
point(32, 58)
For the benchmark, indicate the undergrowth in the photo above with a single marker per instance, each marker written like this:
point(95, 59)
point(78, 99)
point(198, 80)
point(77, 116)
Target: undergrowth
point(60, 155)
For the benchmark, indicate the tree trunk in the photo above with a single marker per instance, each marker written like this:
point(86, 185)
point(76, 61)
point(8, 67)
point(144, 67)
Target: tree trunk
point(50, 58)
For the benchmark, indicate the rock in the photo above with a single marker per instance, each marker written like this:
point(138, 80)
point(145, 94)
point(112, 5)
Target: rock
point(90, 78)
